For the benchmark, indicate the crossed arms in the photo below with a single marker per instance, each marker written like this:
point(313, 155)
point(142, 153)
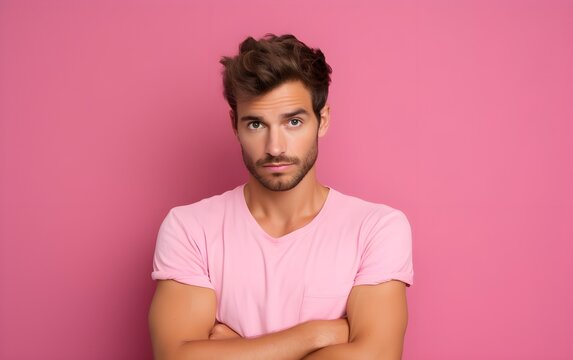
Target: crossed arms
point(182, 324)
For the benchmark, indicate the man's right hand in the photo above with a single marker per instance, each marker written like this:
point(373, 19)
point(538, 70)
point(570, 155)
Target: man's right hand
point(331, 332)
point(222, 332)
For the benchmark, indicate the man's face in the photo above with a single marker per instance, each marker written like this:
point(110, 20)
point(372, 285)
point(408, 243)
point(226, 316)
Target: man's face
point(278, 132)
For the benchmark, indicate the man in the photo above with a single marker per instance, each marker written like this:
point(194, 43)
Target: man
point(281, 267)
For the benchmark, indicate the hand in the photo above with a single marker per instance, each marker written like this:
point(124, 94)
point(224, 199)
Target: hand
point(222, 332)
point(332, 332)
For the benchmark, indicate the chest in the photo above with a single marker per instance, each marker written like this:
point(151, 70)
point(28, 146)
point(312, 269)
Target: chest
point(265, 286)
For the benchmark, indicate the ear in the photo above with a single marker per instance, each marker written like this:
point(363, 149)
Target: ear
point(324, 120)
point(233, 123)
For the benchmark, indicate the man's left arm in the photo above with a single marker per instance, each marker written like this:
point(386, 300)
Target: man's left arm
point(377, 317)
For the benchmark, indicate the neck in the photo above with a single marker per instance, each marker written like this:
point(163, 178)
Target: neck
point(304, 200)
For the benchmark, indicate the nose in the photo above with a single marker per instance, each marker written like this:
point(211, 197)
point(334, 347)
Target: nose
point(276, 144)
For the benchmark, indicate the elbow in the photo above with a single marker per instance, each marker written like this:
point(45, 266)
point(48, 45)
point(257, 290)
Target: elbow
point(181, 351)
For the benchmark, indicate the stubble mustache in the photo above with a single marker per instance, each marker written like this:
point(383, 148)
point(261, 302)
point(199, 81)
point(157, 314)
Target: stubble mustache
point(281, 159)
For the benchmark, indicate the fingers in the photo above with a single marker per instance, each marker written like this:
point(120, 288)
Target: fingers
point(221, 332)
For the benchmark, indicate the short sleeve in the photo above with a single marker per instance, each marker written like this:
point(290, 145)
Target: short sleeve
point(180, 252)
point(387, 251)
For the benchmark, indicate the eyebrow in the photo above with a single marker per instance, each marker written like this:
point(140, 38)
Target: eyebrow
point(300, 111)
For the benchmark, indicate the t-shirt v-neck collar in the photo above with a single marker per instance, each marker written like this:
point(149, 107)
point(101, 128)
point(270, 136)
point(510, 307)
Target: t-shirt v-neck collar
point(240, 198)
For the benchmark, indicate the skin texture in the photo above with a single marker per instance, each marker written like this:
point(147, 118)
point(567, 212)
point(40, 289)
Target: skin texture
point(295, 131)
point(280, 128)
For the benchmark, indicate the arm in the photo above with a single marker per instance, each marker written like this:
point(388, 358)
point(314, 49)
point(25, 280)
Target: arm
point(182, 316)
point(377, 315)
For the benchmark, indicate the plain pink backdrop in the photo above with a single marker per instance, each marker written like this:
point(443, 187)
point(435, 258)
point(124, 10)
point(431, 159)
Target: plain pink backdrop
point(459, 113)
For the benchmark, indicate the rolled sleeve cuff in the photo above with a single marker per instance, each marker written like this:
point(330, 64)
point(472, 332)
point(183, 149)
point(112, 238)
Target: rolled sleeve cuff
point(405, 277)
point(195, 280)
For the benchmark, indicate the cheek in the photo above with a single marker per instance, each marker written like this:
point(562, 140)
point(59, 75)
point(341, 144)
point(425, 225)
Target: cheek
point(303, 143)
point(250, 148)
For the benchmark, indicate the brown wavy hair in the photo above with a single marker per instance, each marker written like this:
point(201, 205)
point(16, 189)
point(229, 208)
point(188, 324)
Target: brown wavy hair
point(264, 64)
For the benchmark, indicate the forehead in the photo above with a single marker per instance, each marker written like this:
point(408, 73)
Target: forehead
point(287, 96)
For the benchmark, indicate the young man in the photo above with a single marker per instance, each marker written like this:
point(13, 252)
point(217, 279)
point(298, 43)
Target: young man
point(281, 267)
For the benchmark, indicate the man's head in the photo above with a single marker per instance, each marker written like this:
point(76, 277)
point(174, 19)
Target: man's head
point(271, 61)
point(277, 89)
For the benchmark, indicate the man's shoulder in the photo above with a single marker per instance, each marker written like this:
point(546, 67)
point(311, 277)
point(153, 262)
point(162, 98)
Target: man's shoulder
point(363, 208)
point(208, 206)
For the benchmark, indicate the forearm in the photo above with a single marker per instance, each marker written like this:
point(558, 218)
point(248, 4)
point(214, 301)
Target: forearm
point(353, 351)
point(334, 352)
point(293, 343)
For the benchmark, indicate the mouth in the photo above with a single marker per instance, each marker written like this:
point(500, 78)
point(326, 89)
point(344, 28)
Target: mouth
point(277, 167)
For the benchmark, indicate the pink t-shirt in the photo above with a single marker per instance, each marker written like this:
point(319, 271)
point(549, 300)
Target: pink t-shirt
point(265, 284)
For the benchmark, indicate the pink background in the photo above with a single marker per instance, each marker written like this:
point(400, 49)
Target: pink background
point(458, 113)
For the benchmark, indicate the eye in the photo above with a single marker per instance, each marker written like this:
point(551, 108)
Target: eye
point(295, 122)
point(254, 125)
